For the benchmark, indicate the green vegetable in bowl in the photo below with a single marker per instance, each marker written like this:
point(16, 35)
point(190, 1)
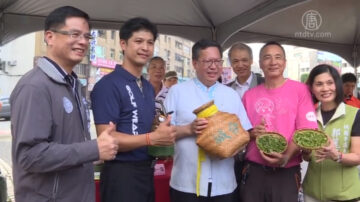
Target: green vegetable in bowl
point(310, 139)
point(271, 142)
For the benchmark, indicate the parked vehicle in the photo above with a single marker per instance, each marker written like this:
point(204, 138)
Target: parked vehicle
point(5, 108)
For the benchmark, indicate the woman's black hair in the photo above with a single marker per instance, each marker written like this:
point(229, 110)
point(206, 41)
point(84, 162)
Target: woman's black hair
point(319, 69)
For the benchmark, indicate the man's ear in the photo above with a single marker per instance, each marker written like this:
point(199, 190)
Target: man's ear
point(123, 45)
point(194, 63)
point(48, 37)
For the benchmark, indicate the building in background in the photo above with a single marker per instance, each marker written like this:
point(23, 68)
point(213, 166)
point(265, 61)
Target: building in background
point(19, 56)
point(176, 52)
point(16, 58)
point(306, 59)
point(104, 54)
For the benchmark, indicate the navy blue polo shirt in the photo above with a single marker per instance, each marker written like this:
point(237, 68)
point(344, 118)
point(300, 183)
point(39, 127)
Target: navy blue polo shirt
point(118, 98)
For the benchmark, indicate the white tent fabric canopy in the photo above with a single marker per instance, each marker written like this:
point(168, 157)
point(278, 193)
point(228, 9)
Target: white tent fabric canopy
point(225, 21)
point(191, 19)
point(336, 28)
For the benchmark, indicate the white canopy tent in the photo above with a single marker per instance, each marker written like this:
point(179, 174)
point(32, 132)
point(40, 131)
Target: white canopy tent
point(191, 19)
point(335, 28)
point(225, 21)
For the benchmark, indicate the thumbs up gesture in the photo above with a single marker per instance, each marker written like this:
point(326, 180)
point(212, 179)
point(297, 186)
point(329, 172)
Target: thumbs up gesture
point(107, 144)
point(164, 135)
point(258, 129)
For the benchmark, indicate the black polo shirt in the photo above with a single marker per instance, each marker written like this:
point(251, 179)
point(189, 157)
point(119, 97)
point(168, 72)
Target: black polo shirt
point(118, 98)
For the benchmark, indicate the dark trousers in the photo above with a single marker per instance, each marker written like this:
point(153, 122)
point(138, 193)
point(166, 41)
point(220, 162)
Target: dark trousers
point(178, 196)
point(239, 161)
point(127, 182)
point(267, 184)
point(238, 167)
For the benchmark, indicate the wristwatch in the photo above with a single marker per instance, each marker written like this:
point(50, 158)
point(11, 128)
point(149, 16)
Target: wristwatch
point(338, 160)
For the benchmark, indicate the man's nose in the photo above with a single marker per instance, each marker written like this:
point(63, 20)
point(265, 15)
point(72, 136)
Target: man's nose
point(272, 60)
point(83, 40)
point(145, 46)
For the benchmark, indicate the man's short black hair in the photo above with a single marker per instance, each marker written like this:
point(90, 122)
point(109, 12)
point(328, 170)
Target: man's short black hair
point(348, 77)
point(203, 44)
point(137, 24)
point(58, 17)
point(269, 44)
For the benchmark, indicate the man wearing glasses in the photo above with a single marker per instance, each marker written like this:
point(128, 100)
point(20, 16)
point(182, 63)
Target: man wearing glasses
point(217, 179)
point(51, 149)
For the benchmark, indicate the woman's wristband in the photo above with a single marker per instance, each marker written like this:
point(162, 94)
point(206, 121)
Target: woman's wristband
point(340, 156)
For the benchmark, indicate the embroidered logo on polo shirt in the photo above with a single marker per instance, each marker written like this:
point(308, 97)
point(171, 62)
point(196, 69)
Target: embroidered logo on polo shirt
point(67, 105)
point(135, 118)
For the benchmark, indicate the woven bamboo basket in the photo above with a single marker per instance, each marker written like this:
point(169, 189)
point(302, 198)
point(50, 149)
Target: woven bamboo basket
point(315, 140)
point(271, 135)
point(224, 134)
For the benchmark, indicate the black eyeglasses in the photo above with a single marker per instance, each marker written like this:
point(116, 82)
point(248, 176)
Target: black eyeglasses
point(208, 63)
point(74, 34)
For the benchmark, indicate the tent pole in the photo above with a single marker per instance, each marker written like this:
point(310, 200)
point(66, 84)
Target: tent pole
point(355, 57)
point(213, 31)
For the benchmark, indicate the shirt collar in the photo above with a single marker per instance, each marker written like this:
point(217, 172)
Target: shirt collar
point(247, 82)
point(340, 111)
point(63, 73)
point(209, 90)
point(163, 89)
point(350, 98)
point(125, 74)
point(202, 86)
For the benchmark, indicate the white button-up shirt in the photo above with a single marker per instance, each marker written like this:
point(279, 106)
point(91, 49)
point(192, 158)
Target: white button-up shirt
point(183, 98)
point(242, 88)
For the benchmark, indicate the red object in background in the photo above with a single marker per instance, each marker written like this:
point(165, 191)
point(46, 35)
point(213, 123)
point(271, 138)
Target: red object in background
point(97, 190)
point(161, 181)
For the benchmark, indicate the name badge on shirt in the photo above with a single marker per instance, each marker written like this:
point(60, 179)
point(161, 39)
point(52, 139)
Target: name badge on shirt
point(68, 106)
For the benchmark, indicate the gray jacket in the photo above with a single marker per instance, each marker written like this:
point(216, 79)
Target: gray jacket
point(256, 80)
point(51, 149)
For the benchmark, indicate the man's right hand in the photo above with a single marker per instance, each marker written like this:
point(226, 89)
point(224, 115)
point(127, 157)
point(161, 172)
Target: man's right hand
point(107, 144)
point(198, 125)
point(258, 130)
point(164, 135)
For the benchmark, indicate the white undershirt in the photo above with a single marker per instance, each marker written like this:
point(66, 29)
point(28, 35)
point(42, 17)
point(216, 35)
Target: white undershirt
point(242, 88)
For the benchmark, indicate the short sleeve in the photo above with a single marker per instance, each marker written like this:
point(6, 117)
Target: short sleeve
point(105, 102)
point(355, 131)
point(170, 104)
point(305, 117)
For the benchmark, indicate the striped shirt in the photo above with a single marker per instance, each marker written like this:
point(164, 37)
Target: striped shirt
point(159, 99)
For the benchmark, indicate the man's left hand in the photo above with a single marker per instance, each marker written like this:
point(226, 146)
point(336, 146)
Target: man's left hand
point(276, 159)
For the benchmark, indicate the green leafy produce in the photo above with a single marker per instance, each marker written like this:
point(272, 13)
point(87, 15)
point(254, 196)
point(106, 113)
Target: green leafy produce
point(271, 142)
point(310, 139)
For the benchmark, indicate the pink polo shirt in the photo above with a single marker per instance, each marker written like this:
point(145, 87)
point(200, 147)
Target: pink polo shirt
point(284, 109)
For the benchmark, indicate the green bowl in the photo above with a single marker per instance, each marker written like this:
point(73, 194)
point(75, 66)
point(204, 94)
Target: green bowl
point(271, 142)
point(161, 151)
point(310, 139)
